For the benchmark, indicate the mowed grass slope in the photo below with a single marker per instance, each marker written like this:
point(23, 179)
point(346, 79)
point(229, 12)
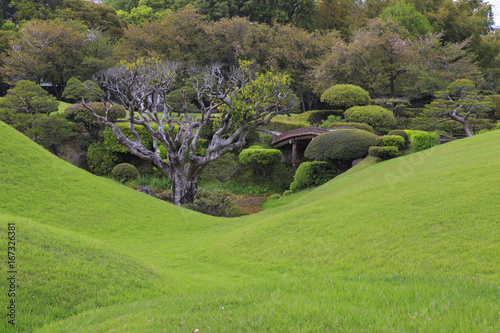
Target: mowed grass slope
point(409, 244)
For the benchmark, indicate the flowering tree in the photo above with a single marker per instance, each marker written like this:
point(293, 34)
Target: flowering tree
point(234, 103)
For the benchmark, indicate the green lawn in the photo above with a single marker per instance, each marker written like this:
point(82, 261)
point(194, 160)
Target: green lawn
point(410, 244)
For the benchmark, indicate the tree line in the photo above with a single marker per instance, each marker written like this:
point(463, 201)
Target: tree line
point(404, 50)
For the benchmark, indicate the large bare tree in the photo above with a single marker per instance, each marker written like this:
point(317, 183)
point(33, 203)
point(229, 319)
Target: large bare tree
point(234, 103)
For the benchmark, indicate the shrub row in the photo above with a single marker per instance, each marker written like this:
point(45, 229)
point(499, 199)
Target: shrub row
point(361, 126)
point(284, 124)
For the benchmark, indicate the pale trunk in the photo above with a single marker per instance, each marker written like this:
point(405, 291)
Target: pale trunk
point(183, 188)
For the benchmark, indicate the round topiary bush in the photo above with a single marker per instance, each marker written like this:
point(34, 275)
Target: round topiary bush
point(340, 147)
point(372, 115)
point(124, 172)
point(391, 140)
point(311, 173)
point(401, 133)
point(345, 96)
point(101, 161)
point(261, 159)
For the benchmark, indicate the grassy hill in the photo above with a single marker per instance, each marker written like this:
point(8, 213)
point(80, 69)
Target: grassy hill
point(411, 244)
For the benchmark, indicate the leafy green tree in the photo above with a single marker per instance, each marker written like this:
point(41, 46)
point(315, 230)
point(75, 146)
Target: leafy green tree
point(432, 65)
point(24, 105)
point(49, 51)
point(75, 90)
point(459, 102)
point(407, 16)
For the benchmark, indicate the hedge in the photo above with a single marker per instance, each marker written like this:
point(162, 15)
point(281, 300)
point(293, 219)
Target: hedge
point(422, 140)
point(340, 145)
point(345, 96)
point(284, 124)
point(311, 173)
point(260, 157)
point(372, 115)
point(361, 126)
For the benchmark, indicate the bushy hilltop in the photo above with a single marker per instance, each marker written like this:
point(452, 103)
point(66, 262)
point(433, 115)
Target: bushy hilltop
point(406, 244)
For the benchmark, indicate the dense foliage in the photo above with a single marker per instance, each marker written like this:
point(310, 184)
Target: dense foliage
point(124, 172)
point(340, 147)
point(372, 115)
point(391, 140)
point(345, 96)
point(80, 114)
point(101, 161)
point(422, 140)
point(311, 173)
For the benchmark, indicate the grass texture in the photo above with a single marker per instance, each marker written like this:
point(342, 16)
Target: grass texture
point(410, 244)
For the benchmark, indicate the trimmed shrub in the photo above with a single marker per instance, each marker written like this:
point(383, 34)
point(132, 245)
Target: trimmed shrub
point(401, 133)
point(340, 147)
point(287, 193)
point(214, 201)
point(373, 151)
point(372, 115)
point(284, 124)
point(388, 152)
point(361, 126)
point(345, 96)
point(261, 159)
point(79, 114)
point(101, 161)
point(391, 140)
point(422, 140)
point(311, 173)
point(124, 172)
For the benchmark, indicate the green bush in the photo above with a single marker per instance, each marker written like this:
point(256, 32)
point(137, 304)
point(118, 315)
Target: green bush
point(422, 140)
point(345, 96)
point(388, 152)
point(274, 196)
point(391, 140)
point(261, 160)
point(214, 201)
point(340, 147)
point(124, 172)
point(361, 126)
point(311, 173)
point(284, 124)
point(372, 115)
point(402, 134)
point(79, 114)
point(287, 193)
point(113, 145)
point(373, 151)
point(101, 161)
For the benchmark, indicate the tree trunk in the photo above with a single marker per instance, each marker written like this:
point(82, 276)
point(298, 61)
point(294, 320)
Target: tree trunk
point(184, 189)
point(466, 128)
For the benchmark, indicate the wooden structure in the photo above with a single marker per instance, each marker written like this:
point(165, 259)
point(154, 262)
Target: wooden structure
point(298, 140)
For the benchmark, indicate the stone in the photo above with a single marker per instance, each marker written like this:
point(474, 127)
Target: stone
point(147, 190)
point(356, 161)
point(80, 160)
